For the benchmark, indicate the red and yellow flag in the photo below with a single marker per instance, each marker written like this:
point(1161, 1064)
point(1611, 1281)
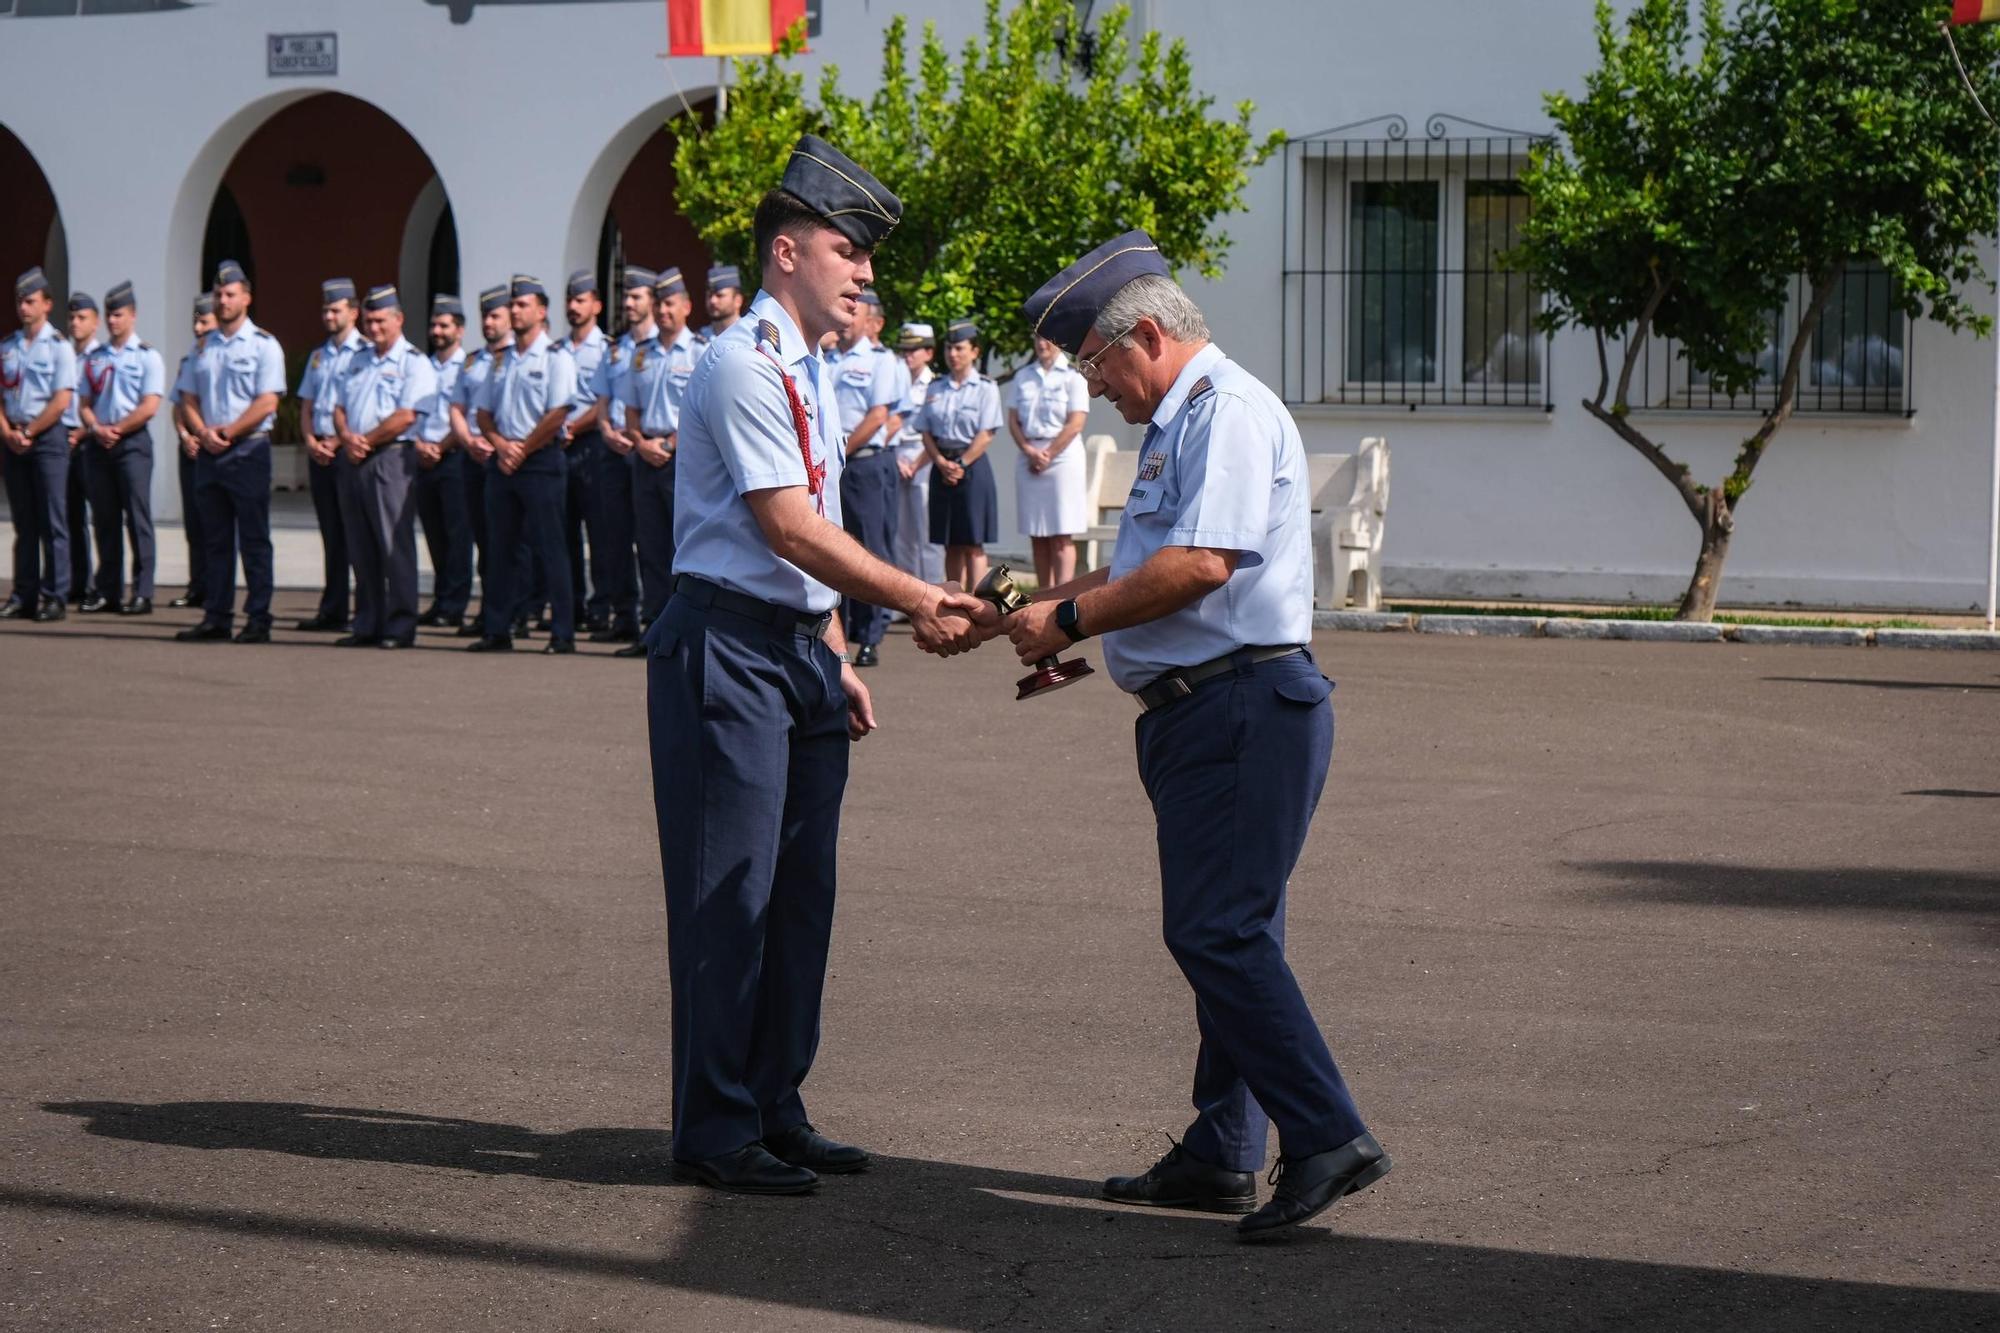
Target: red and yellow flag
point(1975, 11)
point(735, 27)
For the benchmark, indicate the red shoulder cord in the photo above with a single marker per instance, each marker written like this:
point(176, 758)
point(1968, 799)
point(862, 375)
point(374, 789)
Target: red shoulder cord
point(815, 472)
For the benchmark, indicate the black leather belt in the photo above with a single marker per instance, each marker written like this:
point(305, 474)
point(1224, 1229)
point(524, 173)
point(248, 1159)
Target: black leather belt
point(705, 594)
point(866, 451)
point(1179, 684)
point(952, 455)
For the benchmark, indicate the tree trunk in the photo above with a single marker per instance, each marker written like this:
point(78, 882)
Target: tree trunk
point(1718, 525)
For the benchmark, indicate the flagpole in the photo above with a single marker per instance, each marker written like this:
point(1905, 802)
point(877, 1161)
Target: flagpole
point(722, 109)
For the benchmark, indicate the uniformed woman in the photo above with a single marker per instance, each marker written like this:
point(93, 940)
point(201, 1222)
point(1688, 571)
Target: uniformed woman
point(958, 420)
point(1047, 405)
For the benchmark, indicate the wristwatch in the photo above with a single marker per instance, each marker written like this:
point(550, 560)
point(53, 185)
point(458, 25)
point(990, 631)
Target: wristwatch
point(1067, 623)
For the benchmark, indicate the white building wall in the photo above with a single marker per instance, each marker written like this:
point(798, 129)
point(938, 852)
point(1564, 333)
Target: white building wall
point(531, 112)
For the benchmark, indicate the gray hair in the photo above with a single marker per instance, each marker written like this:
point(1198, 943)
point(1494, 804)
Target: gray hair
point(1159, 299)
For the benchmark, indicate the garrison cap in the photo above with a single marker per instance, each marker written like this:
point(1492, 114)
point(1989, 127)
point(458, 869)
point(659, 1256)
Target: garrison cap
point(383, 298)
point(724, 275)
point(853, 202)
point(961, 331)
point(492, 299)
point(581, 281)
point(669, 282)
point(82, 301)
point(229, 271)
point(912, 336)
point(336, 289)
point(204, 304)
point(1066, 306)
point(120, 298)
point(527, 285)
point(29, 283)
point(637, 277)
point(870, 298)
point(444, 303)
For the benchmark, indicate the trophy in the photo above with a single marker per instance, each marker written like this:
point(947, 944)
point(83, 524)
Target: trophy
point(999, 588)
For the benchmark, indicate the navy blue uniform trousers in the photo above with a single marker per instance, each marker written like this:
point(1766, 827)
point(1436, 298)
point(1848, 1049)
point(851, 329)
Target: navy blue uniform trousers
point(441, 507)
point(870, 496)
point(612, 539)
point(748, 726)
point(378, 505)
point(197, 542)
point(38, 499)
point(324, 481)
point(581, 511)
point(524, 527)
point(233, 489)
point(121, 505)
point(1234, 771)
point(653, 525)
point(81, 511)
point(475, 513)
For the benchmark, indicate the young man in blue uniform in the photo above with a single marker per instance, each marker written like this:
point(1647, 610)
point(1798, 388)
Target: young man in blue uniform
point(1205, 611)
point(440, 494)
point(650, 394)
point(84, 340)
point(868, 382)
point(613, 492)
point(496, 332)
point(751, 703)
point(319, 394)
point(38, 375)
point(122, 385)
point(187, 450)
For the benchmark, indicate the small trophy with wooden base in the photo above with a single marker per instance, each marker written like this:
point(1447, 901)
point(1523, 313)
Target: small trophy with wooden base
point(999, 588)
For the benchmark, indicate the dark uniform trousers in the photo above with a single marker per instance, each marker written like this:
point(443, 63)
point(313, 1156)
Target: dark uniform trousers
point(38, 499)
point(197, 543)
point(653, 525)
point(475, 519)
point(78, 518)
point(441, 504)
point(121, 506)
point(233, 491)
point(869, 497)
point(524, 529)
point(583, 459)
point(748, 725)
point(378, 507)
point(612, 540)
point(325, 482)
point(1234, 771)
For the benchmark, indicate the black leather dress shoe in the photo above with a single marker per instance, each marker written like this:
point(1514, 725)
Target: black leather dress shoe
point(138, 606)
point(15, 611)
point(1182, 1180)
point(615, 634)
point(867, 655)
point(491, 643)
point(53, 609)
point(398, 643)
point(631, 650)
point(356, 641)
point(1308, 1186)
point(523, 630)
point(804, 1146)
point(560, 646)
point(544, 624)
point(471, 629)
point(431, 618)
point(322, 625)
point(95, 603)
point(594, 627)
point(205, 632)
point(749, 1170)
point(185, 600)
point(254, 634)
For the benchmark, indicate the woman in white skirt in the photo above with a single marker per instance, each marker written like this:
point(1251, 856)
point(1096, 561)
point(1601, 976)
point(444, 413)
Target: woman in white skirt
point(1046, 407)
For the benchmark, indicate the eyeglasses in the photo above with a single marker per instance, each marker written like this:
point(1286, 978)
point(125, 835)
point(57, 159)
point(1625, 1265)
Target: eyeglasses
point(1090, 367)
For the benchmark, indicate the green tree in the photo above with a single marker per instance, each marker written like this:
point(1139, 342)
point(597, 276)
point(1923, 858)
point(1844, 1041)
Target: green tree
point(1010, 162)
point(1701, 173)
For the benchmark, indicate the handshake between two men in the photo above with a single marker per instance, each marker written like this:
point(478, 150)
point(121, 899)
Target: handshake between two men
point(962, 621)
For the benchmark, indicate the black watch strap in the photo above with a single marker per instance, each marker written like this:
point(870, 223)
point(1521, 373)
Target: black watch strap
point(1066, 621)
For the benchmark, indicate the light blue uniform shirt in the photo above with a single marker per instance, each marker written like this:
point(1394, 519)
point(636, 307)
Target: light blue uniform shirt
point(325, 373)
point(587, 355)
point(1221, 467)
point(910, 437)
point(32, 371)
point(115, 380)
point(377, 387)
point(72, 416)
point(656, 384)
point(737, 436)
point(608, 383)
point(953, 413)
point(864, 376)
point(231, 372)
point(530, 382)
point(434, 417)
point(470, 391)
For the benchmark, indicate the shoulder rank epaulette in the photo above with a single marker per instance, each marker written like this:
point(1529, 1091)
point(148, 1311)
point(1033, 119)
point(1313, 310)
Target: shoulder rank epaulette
point(262, 334)
point(1204, 385)
point(145, 346)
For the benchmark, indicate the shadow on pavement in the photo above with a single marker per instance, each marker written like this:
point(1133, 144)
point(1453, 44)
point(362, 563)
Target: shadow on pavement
point(955, 1246)
point(1706, 884)
point(1956, 791)
point(1884, 684)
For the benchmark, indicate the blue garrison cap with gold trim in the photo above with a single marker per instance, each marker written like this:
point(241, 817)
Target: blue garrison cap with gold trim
point(30, 282)
point(336, 289)
point(669, 283)
point(492, 299)
point(724, 275)
point(383, 298)
point(870, 298)
point(961, 331)
point(527, 285)
point(82, 301)
point(204, 304)
point(637, 277)
point(581, 281)
point(853, 202)
point(1066, 306)
point(443, 303)
point(120, 297)
point(229, 271)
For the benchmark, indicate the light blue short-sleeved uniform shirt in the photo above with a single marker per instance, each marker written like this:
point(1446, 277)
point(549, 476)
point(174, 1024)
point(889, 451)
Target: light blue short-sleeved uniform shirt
point(954, 413)
point(864, 376)
point(234, 370)
point(376, 387)
point(1044, 399)
point(737, 436)
point(530, 381)
point(1222, 467)
point(434, 417)
point(324, 374)
point(34, 370)
point(656, 384)
point(910, 438)
point(589, 356)
point(607, 385)
point(470, 391)
point(72, 416)
point(116, 379)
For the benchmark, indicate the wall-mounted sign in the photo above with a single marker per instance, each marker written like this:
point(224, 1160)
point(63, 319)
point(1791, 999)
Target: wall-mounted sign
point(291, 53)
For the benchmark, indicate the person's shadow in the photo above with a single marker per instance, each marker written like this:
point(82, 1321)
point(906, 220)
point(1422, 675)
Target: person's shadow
point(956, 1246)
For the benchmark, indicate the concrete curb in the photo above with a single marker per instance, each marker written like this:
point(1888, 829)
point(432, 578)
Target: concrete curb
point(1368, 621)
point(1818, 635)
point(1937, 638)
point(1498, 627)
point(1652, 631)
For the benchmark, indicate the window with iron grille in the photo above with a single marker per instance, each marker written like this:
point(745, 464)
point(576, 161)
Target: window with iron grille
point(1394, 290)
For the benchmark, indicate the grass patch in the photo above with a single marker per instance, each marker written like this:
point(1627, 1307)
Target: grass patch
point(1654, 613)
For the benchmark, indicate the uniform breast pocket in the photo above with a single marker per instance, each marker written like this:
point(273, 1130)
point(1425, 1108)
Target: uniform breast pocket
point(1145, 500)
point(964, 423)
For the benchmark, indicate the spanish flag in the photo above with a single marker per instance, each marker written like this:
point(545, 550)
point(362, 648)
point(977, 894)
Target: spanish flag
point(736, 27)
point(1975, 11)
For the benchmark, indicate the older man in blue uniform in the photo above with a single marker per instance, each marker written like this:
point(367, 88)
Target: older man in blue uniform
point(237, 379)
point(123, 384)
point(38, 377)
point(751, 702)
point(384, 395)
point(1205, 612)
point(526, 402)
point(318, 395)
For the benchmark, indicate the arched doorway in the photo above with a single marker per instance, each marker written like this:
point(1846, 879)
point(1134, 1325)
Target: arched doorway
point(31, 229)
point(626, 212)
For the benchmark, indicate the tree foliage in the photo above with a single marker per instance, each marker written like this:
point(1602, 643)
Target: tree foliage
point(1009, 162)
point(1715, 155)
